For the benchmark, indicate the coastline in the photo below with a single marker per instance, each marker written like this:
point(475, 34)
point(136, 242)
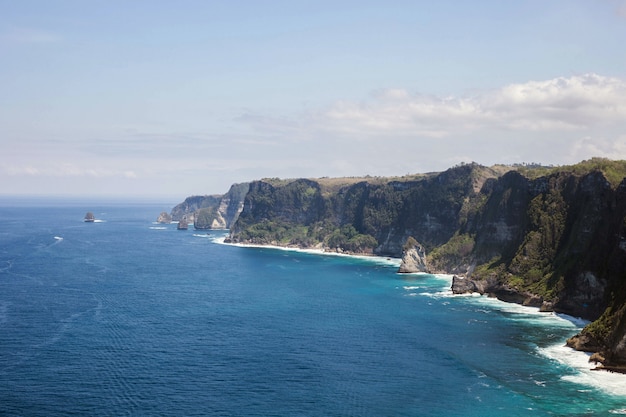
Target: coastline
point(610, 381)
point(578, 361)
point(374, 258)
point(611, 369)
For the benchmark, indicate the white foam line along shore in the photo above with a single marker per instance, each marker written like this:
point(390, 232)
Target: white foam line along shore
point(614, 384)
point(578, 362)
point(372, 258)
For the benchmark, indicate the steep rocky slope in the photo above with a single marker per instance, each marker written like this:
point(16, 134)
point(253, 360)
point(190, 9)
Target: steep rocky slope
point(212, 211)
point(365, 216)
point(549, 237)
point(557, 241)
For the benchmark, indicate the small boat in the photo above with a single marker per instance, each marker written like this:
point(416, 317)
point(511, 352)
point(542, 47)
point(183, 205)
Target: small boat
point(89, 217)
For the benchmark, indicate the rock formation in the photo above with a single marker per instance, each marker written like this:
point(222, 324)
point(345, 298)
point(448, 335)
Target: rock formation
point(212, 211)
point(413, 257)
point(549, 237)
point(164, 217)
point(182, 224)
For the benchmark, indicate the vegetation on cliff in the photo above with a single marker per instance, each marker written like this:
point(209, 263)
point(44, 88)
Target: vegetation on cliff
point(296, 213)
point(364, 215)
point(212, 211)
point(549, 236)
point(203, 218)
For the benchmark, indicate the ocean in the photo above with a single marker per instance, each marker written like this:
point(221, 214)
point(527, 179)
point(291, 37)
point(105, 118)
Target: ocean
point(126, 317)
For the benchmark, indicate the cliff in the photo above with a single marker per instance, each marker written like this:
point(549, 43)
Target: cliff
point(212, 211)
point(548, 237)
point(556, 241)
point(371, 215)
point(164, 217)
point(413, 258)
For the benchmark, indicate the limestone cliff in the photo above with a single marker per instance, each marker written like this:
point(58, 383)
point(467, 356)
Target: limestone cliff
point(413, 257)
point(212, 211)
point(164, 217)
point(555, 241)
point(372, 215)
point(543, 236)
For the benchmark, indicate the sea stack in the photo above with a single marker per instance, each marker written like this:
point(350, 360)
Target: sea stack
point(413, 257)
point(164, 217)
point(89, 217)
point(182, 224)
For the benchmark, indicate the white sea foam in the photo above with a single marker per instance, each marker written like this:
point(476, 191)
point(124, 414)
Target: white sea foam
point(577, 361)
point(437, 294)
point(466, 295)
point(577, 321)
point(99, 221)
point(158, 228)
point(611, 383)
point(220, 239)
point(526, 313)
point(426, 280)
point(375, 259)
point(444, 278)
point(59, 238)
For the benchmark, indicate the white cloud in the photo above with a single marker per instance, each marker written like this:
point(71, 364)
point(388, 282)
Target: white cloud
point(558, 104)
point(598, 146)
point(28, 36)
point(557, 121)
point(392, 132)
point(402, 115)
point(63, 170)
point(561, 103)
point(13, 170)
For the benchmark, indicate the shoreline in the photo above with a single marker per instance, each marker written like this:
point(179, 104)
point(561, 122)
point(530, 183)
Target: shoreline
point(610, 381)
point(374, 258)
point(584, 373)
point(611, 369)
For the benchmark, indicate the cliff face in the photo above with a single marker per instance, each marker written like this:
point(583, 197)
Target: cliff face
point(212, 211)
point(552, 238)
point(558, 242)
point(557, 236)
point(365, 216)
point(188, 208)
point(413, 258)
point(602, 274)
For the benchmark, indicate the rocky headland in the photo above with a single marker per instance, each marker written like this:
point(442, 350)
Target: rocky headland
point(212, 211)
point(183, 224)
point(164, 218)
point(549, 237)
point(413, 258)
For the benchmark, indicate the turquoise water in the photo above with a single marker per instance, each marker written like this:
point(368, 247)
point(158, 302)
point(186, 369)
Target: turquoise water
point(128, 317)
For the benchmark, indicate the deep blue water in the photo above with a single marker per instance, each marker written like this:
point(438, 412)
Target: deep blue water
point(127, 317)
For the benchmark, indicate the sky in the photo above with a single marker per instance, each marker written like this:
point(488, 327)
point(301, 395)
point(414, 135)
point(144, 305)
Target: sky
point(163, 99)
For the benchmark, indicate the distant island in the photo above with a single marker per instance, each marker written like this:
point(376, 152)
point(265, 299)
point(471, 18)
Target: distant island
point(89, 217)
point(544, 236)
